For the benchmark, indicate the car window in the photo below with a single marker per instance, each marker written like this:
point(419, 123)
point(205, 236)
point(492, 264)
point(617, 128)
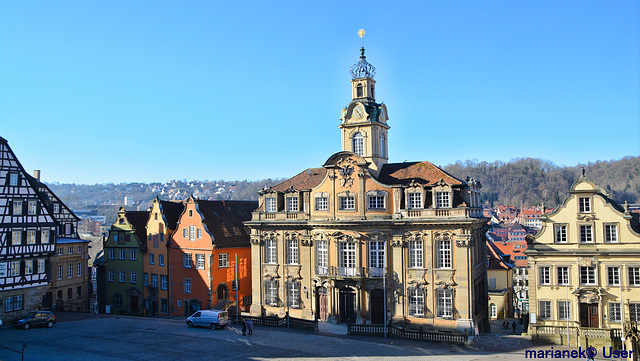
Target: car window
point(197, 314)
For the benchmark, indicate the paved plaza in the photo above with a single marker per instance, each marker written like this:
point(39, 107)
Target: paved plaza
point(104, 337)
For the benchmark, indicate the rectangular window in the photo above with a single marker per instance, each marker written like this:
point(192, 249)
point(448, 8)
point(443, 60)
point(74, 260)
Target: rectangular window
point(8, 304)
point(322, 203)
point(545, 275)
point(41, 264)
point(164, 306)
point(69, 271)
point(416, 301)
point(563, 275)
point(442, 200)
point(161, 259)
point(123, 277)
point(564, 310)
point(67, 228)
point(199, 233)
point(545, 310)
point(133, 254)
point(293, 294)
point(614, 312)
point(271, 292)
point(79, 291)
point(376, 202)
point(163, 282)
point(134, 277)
point(79, 249)
point(70, 250)
point(17, 303)
point(56, 208)
point(376, 254)
point(347, 255)
point(634, 276)
point(415, 200)
point(200, 261)
point(223, 260)
point(31, 237)
point(17, 208)
point(185, 232)
point(16, 238)
point(28, 267)
point(123, 254)
point(586, 234)
point(146, 279)
point(60, 271)
point(634, 312)
point(613, 274)
point(187, 285)
point(323, 257)
point(347, 203)
point(32, 207)
point(192, 233)
point(292, 251)
point(152, 258)
point(69, 293)
point(187, 260)
point(270, 205)
point(112, 276)
point(270, 251)
point(79, 270)
point(13, 179)
point(443, 249)
point(117, 300)
point(611, 233)
point(292, 204)
point(415, 254)
point(112, 254)
point(584, 205)
point(44, 237)
point(561, 233)
point(154, 281)
point(13, 303)
point(588, 275)
point(444, 303)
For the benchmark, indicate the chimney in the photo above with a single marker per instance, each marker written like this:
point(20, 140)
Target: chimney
point(36, 174)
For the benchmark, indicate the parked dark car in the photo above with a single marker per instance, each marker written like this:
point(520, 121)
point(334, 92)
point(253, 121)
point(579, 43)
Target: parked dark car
point(36, 319)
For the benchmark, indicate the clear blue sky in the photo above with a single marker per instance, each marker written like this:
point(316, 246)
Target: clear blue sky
point(126, 91)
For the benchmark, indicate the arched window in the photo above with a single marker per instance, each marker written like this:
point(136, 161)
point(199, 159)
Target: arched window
point(494, 310)
point(358, 143)
point(382, 149)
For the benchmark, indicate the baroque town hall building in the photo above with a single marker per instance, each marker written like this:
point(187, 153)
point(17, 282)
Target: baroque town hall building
point(362, 240)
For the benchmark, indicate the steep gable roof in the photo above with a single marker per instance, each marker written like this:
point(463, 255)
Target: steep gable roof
point(224, 221)
point(307, 179)
point(138, 220)
point(497, 259)
point(422, 172)
point(171, 210)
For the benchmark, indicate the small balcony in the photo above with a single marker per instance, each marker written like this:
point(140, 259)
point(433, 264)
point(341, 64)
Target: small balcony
point(349, 272)
point(279, 216)
point(441, 212)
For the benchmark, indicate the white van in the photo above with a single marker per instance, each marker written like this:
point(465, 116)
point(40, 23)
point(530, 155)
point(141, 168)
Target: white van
point(209, 318)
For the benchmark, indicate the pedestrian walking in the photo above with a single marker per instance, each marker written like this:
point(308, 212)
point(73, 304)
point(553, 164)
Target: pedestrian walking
point(513, 326)
point(250, 327)
point(244, 327)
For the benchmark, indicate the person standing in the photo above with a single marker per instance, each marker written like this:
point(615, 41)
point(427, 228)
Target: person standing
point(513, 326)
point(244, 327)
point(250, 326)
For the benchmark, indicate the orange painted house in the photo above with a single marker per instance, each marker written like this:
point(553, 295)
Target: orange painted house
point(202, 253)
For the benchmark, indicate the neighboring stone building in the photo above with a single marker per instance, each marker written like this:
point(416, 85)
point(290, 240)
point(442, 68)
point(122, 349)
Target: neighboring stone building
point(70, 287)
point(584, 269)
point(359, 238)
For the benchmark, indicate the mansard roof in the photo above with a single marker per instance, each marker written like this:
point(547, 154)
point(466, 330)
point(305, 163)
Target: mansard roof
point(307, 179)
point(422, 172)
point(224, 221)
point(171, 210)
point(138, 220)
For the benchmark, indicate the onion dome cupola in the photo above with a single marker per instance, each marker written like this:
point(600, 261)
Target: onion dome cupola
point(364, 121)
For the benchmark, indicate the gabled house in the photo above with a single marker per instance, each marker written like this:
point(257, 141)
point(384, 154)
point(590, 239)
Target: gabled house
point(500, 281)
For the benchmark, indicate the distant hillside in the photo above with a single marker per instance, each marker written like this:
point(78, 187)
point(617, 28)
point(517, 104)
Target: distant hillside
point(528, 181)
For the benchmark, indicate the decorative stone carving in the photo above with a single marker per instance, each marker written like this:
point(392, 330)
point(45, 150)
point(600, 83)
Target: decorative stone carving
point(306, 242)
point(270, 270)
point(293, 271)
point(416, 275)
point(347, 167)
point(256, 241)
point(397, 242)
point(464, 241)
point(445, 275)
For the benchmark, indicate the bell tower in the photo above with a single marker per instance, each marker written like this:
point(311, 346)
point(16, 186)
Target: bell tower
point(364, 122)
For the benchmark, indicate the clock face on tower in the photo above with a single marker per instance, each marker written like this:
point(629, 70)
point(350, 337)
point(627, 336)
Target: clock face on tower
point(358, 112)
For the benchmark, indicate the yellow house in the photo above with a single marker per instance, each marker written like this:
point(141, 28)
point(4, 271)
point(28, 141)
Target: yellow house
point(361, 240)
point(500, 283)
point(584, 270)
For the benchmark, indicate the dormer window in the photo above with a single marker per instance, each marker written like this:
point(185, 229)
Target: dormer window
point(292, 204)
point(584, 205)
point(443, 200)
point(358, 143)
point(415, 200)
point(270, 205)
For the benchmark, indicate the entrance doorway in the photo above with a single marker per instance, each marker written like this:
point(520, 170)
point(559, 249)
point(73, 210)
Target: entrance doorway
point(347, 305)
point(194, 306)
point(133, 303)
point(377, 307)
point(223, 292)
point(589, 315)
point(322, 312)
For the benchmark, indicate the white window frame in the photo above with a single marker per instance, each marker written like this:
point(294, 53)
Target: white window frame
point(560, 233)
point(133, 254)
point(17, 208)
point(112, 253)
point(163, 282)
point(123, 254)
point(161, 259)
point(414, 200)
point(376, 254)
point(13, 179)
point(588, 275)
point(416, 303)
point(200, 261)
point(444, 303)
point(271, 251)
point(322, 258)
point(31, 237)
point(271, 204)
point(187, 285)
point(358, 143)
point(611, 233)
point(271, 292)
point(563, 275)
point(444, 253)
point(293, 256)
point(545, 275)
point(16, 238)
point(112, 276)
point(293, 294)
point(70, 270)
point(564, 310)
point(154, 280)
point(79, 269)
point(347, 254)
point(634, 276)
point(634, 312)
point(615, 314)
point(584, 204)
point(28, 267)
point(44, 237)
point(223, 260)
point(133, 277)
point(152, 258)
point(416, 258)
point(32, 208)
point(192, 233)
point(347, 203)
point(443, 200)
point(613, 276)
point(322, 203)
point(123, 277)
point(586, 233)
point(544, 311)
point(377, 201)
point(292, 204)
point(41, 266)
